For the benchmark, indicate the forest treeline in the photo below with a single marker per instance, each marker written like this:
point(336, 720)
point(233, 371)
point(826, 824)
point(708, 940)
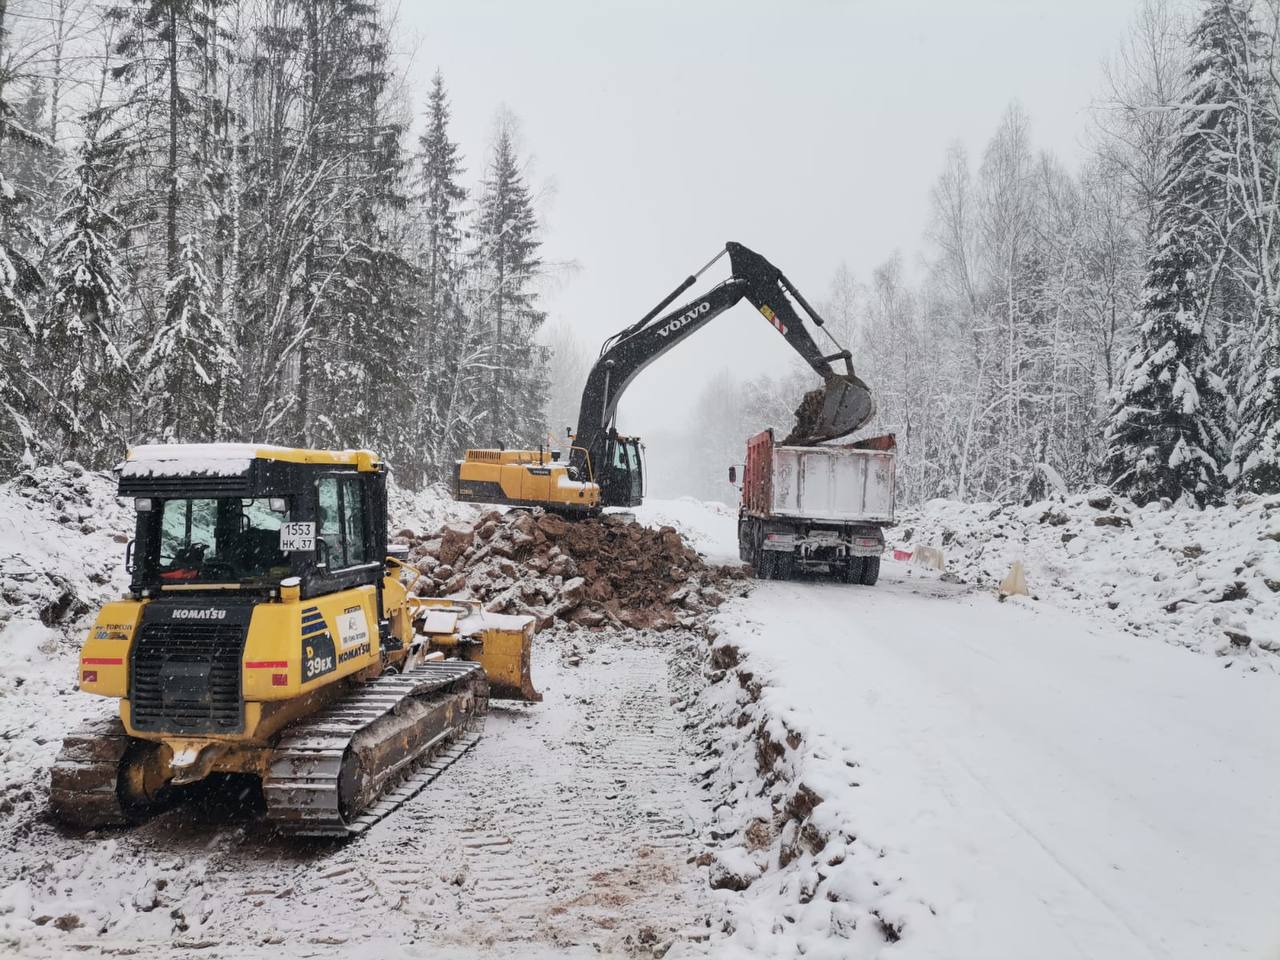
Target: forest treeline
point(214, 225)
point(1115, 323)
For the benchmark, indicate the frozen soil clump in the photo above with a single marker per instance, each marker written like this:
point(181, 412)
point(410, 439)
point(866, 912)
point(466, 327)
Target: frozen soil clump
point(608, 571)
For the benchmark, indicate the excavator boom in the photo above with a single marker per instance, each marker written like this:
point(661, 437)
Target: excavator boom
point(838, 408)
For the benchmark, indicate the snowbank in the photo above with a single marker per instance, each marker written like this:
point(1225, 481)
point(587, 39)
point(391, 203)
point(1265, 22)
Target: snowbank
point(424, 510)
point(793, 873)
point(62, 541)
point(711, 528)
point(1204, 579)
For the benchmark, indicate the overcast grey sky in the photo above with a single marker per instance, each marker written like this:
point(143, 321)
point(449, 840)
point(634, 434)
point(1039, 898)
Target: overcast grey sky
point(810, 131)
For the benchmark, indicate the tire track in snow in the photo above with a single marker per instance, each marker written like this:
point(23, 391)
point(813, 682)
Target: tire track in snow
point(566, 824)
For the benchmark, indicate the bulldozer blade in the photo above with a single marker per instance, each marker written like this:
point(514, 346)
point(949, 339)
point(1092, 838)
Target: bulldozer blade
point(837, 409)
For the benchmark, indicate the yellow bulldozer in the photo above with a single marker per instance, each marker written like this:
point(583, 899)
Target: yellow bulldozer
point(267, 633)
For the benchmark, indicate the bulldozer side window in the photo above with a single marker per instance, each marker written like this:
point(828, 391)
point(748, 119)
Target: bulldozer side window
point(342, 522)
point(353, 510)
point(330, 526)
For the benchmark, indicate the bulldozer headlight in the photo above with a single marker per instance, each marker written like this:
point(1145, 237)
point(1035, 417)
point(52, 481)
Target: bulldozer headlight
point(279, 505)
point(142, 504)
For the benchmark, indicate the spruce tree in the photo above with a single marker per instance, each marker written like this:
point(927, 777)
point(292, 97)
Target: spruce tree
point(78, 336)
point(190, 355)
point(1167, 433)
point(506, 256)
point(1256, 455)
point(168, 124)
point(440, 197)
point(21, 281)
point(1163, 437)
point(441, 344)
point(369, 308)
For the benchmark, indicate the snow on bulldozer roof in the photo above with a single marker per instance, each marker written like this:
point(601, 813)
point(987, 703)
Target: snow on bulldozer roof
point(229, 459)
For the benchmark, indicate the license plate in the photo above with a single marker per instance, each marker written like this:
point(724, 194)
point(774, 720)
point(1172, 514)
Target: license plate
point(297, 537)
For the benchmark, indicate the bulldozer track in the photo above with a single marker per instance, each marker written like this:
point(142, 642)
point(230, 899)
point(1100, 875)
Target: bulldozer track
point(83, 781)
point(302, 791)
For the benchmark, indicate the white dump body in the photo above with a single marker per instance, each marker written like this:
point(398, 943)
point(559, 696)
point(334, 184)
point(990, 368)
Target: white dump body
point(833, 483)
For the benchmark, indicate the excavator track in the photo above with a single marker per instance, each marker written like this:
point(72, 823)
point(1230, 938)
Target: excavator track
point(341, 771)
point(84, 780)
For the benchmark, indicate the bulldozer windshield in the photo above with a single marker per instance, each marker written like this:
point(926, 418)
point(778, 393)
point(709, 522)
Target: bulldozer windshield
point(215, 540)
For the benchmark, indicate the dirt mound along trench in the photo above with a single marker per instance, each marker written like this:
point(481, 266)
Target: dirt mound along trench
point(602, 572)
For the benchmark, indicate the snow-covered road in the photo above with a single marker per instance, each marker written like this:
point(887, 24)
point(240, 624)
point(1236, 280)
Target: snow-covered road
point(1045, 785)
point(1049, 789)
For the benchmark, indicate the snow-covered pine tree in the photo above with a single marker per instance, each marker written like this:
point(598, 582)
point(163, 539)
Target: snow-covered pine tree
point(190, 354)
point(506, 256)
point(164, 121)
point(1163, 435)
point(88, 378)
point(21, 240)
point(1209, 279)
point(1256, 454)
point(439, 168)
point(441, 344)
point(363, 377)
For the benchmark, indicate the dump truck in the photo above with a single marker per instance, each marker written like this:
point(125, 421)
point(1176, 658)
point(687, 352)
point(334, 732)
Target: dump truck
point(815, 507)
point(268, 633)
point(605, 468)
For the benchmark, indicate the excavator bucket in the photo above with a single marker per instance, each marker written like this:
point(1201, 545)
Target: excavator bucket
point(837, 409)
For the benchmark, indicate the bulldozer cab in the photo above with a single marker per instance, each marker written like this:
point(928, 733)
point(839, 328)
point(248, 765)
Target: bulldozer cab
point(249, 519)
point(621, 475)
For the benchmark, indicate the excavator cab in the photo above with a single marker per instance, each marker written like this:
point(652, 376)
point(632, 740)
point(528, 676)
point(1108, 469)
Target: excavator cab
point(621, 474)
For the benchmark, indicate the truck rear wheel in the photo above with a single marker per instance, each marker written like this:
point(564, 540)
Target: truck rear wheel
point(763, 565)
point(784, 565)
point(870, 571)
point(852, 570)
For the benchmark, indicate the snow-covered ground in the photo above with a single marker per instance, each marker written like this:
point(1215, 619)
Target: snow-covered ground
point(910, 770)
point(711, 528)
point(567, 831)
point(1206, 579)
point(1040, 783)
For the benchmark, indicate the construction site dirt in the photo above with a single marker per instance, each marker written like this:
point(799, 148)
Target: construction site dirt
point(604, 572)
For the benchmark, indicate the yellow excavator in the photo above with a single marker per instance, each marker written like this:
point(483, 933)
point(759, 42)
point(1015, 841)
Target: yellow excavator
point(606, 469)
point(267, 633)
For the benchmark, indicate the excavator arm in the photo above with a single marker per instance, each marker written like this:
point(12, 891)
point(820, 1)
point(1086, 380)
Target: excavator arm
point(842, 405)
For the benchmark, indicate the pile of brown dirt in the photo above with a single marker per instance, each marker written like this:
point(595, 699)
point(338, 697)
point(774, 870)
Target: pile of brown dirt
point(603, 572)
